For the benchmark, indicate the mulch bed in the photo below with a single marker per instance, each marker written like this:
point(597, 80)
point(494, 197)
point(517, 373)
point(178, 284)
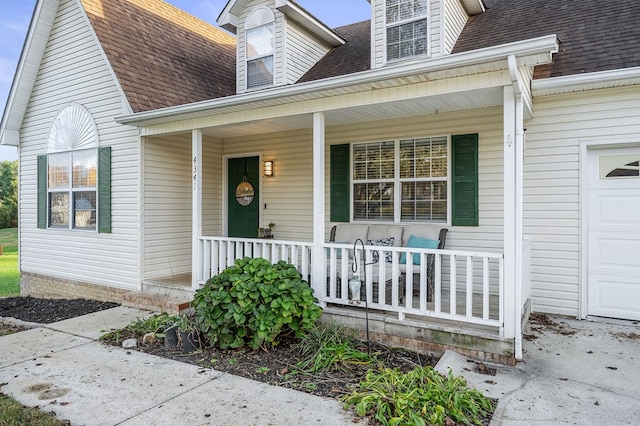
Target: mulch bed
point(278, 365)
point(46, 311)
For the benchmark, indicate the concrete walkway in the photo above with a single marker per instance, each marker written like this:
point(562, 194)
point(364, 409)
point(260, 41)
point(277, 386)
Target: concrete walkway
point(576, 372)
point(62, 368)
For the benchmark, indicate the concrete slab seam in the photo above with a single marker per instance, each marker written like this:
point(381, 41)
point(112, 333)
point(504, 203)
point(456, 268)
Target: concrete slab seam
point(176, 396)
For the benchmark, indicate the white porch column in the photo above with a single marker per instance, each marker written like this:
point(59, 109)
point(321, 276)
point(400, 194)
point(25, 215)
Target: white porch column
point(513, 178)
point(196, 208)
point(318, 269)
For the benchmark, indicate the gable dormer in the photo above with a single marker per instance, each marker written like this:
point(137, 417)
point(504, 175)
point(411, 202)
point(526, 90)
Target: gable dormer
point(417, 29)
point(277, 41)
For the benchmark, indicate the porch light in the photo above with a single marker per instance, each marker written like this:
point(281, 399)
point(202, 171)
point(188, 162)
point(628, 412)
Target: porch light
point(268, 168)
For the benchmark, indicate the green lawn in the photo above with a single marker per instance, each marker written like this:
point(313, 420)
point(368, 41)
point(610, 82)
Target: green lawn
point(9, 274)
point(14, 413)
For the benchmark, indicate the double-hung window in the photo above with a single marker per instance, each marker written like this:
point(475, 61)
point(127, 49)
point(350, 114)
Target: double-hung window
point(406, 28)
point(426, 179)
point(259, 48)
point(72, 188)
point(404, 180)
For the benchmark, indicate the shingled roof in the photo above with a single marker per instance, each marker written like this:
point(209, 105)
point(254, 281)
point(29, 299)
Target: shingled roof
point(161, 55)
point(353, 56)
point(164, 57)
point(594, 36)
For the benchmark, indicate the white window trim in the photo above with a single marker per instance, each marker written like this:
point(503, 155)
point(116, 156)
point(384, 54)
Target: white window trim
point(71, 190)
point(405, 21)
point(272, 54)
point(397, 195)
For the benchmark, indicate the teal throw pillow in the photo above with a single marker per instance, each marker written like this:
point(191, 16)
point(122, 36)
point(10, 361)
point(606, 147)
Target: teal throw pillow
point(417, 242)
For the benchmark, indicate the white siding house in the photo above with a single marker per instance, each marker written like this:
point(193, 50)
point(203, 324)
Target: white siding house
point(505, 129)
point(74, 69)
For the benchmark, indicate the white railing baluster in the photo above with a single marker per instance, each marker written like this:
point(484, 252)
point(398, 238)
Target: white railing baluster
point(437, 291)
point(215, 260)
point(469, 286)
point(408, 283)
point(452, 285)
point(381, 279)
point(485, 288)
point(205, 271)
point(423, 281)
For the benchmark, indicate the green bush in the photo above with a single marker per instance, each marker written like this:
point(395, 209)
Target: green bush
point(420, 397)
point(255, 303)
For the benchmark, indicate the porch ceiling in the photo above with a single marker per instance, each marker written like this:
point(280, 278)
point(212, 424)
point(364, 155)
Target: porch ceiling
point(451, 102)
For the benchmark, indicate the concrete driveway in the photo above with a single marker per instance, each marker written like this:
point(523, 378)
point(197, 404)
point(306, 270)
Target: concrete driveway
point(575, 372)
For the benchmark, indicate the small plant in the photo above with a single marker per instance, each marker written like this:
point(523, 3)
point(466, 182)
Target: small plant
point(255, 303)
point(232, 361)
point(156, 323)
point(266, 232)
point(262, 370)
point(330, 347)
point(420, 397)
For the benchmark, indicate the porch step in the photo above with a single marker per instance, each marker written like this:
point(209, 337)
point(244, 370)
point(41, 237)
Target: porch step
point(156, 302)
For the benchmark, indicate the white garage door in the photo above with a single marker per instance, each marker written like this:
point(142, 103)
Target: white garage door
point(614, 233)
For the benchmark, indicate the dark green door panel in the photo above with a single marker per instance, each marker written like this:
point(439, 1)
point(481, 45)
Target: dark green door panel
point(243, 221)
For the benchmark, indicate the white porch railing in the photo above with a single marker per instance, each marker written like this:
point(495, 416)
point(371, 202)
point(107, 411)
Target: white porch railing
point(466, 286)
point(218, 253)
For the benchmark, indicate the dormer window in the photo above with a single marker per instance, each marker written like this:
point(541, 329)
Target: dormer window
point(260, 36)
point(406, 28)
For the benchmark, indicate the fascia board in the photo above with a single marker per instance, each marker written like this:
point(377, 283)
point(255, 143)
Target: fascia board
point(10, 137)
point(566, 83)
point(42, 19)
point(227, 19)
point(530, 52)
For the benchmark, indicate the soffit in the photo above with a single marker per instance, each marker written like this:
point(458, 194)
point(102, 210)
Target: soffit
point(432, 105)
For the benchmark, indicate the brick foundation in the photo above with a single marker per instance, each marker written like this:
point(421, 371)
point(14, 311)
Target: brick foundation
point(44, 286)
point(436, 349)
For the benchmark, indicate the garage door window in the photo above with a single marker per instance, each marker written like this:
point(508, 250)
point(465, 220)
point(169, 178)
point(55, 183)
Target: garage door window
point(619, 166)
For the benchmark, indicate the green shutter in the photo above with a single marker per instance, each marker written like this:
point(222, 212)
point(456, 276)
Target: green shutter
point(464, 153)
point(339, 183)
point(104, 190)
point(42, 191)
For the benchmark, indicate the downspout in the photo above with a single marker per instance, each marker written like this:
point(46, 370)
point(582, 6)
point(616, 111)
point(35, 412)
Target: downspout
point(519, 161)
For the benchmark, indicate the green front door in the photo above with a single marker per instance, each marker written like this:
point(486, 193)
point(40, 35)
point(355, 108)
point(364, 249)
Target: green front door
point(243, 197)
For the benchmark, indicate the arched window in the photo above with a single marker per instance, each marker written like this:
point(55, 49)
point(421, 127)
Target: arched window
point(68, 175)
point(259, 47)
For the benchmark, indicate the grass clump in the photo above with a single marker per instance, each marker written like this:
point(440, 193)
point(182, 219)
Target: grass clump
point(9, 272)
point(14, 413)
point(330, 347)
point(420, 397)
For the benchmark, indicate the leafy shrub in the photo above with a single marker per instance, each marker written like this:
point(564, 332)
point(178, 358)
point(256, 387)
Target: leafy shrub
point(420, 397)
point(331, 347)
point(254, 302)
